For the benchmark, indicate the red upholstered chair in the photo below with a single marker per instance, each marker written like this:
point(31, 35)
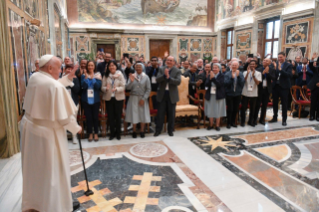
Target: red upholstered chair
point(301, 103)
point(306, 92)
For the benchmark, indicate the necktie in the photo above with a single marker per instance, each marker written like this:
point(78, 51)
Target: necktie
point(304, 73)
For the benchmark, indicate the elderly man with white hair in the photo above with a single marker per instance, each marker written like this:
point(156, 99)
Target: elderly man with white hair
point(49, 112)
point(234, 82)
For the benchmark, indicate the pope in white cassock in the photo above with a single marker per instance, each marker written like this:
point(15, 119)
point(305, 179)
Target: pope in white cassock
point(49, 112)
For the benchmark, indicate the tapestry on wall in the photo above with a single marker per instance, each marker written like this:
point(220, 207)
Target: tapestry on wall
point(195, 56)
point(133, 44)
point(82, 43)
point(183, 57)
point(297, 33)
point(151, 12)
point(208, 45)
point(243, 40)
point(183, 44)
point(207, 56)
point(242, 52)
point(42, 44)
point(17, 43)
point(293, 52)
point(196, 45)
point(32, 45)
point(16, 2)
point(31, 7)
point(58, 34)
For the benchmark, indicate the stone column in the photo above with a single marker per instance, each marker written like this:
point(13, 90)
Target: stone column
point(9, 137)
point(51, 26)
point(254, 38)
point(315, 33)
point(219, 37)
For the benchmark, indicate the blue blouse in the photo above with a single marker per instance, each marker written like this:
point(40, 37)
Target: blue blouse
point(94, 84)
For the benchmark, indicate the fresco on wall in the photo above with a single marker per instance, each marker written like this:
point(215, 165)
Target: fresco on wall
point(133, 44)
point(31, 7)
point(231, 8)
point(297, 33)
point(196, 45)
point(42, 43)
point(183, 57)
point(152, 12)
point(82, 43)
point(243, 40)
point(183, 44)
point(32, 45)
point(207, 45)
point(17, 43)
point(58, 35)
point(195, 56)
point(293, 52)
point(207, 56)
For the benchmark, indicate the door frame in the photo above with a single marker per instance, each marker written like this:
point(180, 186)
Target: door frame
point(115, 41)
point(172, 45)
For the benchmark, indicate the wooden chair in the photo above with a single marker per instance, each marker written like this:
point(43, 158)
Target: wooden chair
point(201, 106)
point(301, 103)
point(183, 108)
point(306, 92)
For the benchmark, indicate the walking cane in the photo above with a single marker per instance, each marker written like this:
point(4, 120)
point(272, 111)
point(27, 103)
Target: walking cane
point(88, 192)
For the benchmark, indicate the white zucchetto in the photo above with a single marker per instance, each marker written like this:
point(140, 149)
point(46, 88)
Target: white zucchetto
point(45, 59)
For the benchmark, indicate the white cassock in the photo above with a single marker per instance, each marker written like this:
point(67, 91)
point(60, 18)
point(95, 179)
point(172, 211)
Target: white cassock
point(49, 112)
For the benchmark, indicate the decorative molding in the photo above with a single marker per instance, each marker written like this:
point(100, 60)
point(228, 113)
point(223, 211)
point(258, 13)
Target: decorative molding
point(299, 14)
point(244, 27)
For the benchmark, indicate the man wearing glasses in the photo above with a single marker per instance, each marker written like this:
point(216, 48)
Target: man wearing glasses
point(152, 74)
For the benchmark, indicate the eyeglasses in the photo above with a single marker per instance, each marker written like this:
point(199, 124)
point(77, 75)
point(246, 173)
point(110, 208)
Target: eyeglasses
point(154, 60)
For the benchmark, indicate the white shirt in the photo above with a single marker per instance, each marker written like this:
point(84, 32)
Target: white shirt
point(250, 88)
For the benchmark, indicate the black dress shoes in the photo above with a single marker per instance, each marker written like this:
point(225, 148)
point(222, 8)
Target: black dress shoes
point(142, 135)
point(312, 118)
point(242, 124)
point(262, 122)
point(272, 121)
point(228, 126)
point(76, 205)
point(209, 128)
point(284, 123)
point(118, 137)
point(111, 137)
point(134, 135)
point(217, 129)
point(234, 125)
point(170, 134)
point(317, 119)
point(156, 134)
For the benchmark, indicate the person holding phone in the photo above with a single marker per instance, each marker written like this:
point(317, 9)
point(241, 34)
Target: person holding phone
point(113, 88)
point(91, 85)
point(215, 104)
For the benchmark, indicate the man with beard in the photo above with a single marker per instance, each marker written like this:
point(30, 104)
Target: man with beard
point(101, 67)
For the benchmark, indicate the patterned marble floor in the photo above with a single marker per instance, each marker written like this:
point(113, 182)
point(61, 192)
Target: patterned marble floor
point(266, 168)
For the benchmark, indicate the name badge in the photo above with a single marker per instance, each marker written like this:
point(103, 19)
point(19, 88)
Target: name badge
point(153, 80)
point(193, 87)
point(90, 93)
point(250, 87)
point(69, 90)
point(206, 88)
point(213, 90)
point(167, 88)
point(264, 83)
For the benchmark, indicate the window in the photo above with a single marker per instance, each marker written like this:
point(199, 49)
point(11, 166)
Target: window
point(272, 29)
point(229, 43)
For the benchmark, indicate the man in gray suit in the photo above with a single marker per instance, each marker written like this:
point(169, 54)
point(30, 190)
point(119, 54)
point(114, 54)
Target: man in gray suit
point(168, 78)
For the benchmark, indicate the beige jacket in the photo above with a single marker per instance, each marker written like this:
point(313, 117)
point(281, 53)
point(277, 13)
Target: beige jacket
point(119, 84)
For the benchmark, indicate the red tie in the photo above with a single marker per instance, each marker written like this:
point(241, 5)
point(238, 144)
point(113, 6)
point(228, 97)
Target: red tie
point(304, 73)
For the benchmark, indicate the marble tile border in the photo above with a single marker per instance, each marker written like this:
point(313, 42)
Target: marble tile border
point(168, 209)
point(184, 186)
point(279, 161)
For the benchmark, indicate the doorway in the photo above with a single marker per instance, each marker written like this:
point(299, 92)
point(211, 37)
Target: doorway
point(107, 48)
point(159, 47)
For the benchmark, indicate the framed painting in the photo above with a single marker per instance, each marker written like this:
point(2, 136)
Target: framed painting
point(297, 33)
point(293, 52)
point(17, 41)
point(82, 43)
point(243, 40)
point(32, 44)
point(183, 44)
point(196, 45)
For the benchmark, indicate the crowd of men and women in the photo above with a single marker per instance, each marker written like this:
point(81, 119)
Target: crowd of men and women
point(230, 87)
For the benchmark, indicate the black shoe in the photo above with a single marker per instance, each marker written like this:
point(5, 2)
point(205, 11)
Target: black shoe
point(272, 121)
point(142, 135)
point(170, 134)
point(228, 126)
point(134, 135)
point(251, 124)
point(242, 124)
point(317, 119)
point(156, 134)
point(209, 128)
point(111, 137)
point(76, 205)
point(255, 123)
point(118, 137)
point(262, 122)
point(284, 123)
point(312, 118)
point(234, 125)
point(217, 128)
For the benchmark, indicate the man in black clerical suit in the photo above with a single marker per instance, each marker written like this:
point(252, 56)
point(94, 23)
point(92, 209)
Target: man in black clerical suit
point(313, 85)
point(281, 86)
point(102, 66)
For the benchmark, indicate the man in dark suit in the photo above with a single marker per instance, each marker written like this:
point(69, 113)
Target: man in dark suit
point(152, 72)
point(101, 67)
point(194, 81)
point(281, 86)
point(168, 78)
point(264, 90)
point(313, 85)
point(304, 73)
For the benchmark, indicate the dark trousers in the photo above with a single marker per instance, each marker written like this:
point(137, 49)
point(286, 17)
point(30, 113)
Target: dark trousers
point(263, 99)
point(166, 107)
point(91, 113)
point(114, 113)
point(283, 94)
point(314, 107)
point(232, 108)
point(244, 106)
point(191, 92)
